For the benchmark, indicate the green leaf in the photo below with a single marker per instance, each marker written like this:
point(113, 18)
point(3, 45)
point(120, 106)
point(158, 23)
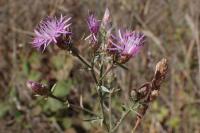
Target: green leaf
point(62, 88)
point(57, 61)
point(34, 75)
point(53, 105)
point(26, 67)
point(103, 88)
point(67, 122)
point(18, 116)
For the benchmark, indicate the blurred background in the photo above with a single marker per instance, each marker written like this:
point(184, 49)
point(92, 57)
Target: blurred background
point(172, 27)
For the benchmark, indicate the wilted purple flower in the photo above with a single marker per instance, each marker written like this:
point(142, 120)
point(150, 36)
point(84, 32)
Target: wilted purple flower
point(127, 44)
point(94, 26)
point(49, 30)
point(38, 88)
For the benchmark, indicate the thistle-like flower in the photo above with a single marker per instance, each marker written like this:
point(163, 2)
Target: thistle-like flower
point(38, 88)
point(126, 44)
point(50, 30)
point(94, 26)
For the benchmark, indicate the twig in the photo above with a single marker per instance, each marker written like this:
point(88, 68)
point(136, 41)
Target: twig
point(73, 105)
point(122, 66)
point(136, 125)
point(120, 120)
point(84, 61)
point(107, 71)
point(92, 70)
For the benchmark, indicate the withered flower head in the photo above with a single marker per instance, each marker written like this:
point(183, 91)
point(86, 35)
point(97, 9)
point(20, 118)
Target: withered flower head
point(161, 67)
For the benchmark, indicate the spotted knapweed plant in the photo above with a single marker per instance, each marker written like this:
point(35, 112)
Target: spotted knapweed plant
point(111, 48)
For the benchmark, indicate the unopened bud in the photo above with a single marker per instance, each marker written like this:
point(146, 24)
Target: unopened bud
point(106, 19)
point(38, 88)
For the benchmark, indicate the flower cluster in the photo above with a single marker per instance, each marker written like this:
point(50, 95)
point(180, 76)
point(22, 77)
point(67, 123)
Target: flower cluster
point(125, 44)
point(109, 50)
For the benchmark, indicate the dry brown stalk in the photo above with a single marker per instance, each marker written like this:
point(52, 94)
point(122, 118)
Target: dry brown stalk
point(149, 91)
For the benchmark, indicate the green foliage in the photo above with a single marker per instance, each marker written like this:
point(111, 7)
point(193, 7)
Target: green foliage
point(52, 105)
point(57, 61)
point(66, 122)
point(18, 116)
point(26, 67)
point(162, 111)
point(62, 88)
point(4, 108)
point(34, 75)
point(174, 122)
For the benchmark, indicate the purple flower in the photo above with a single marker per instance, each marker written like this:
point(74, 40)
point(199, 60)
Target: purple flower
point(38, 88)
point(127, 44)
point(94, 26)
point(49, 30)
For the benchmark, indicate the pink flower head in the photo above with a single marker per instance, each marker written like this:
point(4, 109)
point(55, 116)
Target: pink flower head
point(38, 88)
point(94, 26)
point(49, 30)
point(127, 44)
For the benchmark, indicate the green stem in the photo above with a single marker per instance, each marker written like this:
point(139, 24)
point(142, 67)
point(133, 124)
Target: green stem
point(102, 109)
point(107, 71)
point(110, 111)
point(92, 70)
point(120, 121)
point(94, 76)
point(122, 66)
point(83, 60)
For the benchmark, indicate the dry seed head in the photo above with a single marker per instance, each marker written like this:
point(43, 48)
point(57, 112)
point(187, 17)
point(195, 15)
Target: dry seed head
point(161, 67)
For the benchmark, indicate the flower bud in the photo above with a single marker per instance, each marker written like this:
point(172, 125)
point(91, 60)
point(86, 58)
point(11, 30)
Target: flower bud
point(94, 28)
point(38, 88)
point(106, 22)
